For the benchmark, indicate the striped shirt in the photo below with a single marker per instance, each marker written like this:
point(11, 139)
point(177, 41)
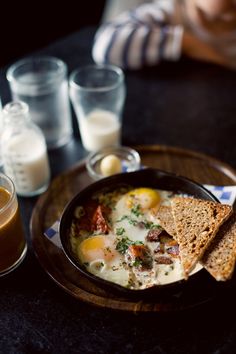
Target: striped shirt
point(150, 33)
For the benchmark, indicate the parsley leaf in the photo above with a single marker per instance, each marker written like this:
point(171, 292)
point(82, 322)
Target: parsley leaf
point(123, 218)
point(138, 262)
point(150, 225)
point(136, 210)
point(123, 245)
point(120, 231)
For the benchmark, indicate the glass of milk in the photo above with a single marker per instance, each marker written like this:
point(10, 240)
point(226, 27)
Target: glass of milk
point(41, 82)
point(98, 93)
point(24, 151)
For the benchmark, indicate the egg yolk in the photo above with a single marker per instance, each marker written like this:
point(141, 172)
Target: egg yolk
point(97, 247)
point(145, 197)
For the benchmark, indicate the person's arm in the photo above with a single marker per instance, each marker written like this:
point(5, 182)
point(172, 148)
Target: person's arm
point(140, 37)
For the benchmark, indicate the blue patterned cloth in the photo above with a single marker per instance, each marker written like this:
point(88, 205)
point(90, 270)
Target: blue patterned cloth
point(225, 194)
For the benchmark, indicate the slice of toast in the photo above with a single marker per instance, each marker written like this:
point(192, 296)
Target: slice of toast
point(219, 258)
point(166, 220)
point(197, 222)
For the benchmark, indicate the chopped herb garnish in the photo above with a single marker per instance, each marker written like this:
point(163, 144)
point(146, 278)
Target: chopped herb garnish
point(137, 262)
point(148, 224)
point(124, 243)
point(86, 264)
point(136, 210)
point(120, 231)
point(156, 226)
point(133, 222)
point(127, 217)
point(145, 223)
point(137, 243)
point(123, 218)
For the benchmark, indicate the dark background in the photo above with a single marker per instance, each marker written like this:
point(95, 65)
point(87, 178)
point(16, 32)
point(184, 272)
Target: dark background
point(25, 27)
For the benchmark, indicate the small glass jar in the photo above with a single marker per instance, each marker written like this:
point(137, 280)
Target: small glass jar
point(129, 160)
point(24, 151)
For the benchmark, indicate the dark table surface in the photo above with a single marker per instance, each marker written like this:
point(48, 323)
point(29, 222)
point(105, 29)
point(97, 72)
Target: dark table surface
point(187, 104)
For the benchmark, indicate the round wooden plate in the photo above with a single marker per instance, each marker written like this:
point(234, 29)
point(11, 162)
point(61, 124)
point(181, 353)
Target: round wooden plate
point(199, 167)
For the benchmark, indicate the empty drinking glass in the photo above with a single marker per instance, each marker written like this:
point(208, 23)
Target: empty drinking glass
point(41, 82)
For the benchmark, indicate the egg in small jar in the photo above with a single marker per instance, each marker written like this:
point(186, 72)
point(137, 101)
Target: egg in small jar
point(110, 165)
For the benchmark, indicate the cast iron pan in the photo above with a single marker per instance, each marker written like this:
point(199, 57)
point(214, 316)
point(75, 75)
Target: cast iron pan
point(151, 178)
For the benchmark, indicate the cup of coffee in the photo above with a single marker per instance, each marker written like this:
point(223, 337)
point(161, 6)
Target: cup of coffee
point(13, 244)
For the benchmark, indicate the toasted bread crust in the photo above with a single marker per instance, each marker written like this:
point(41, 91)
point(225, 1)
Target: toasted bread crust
point(197, 222)
point(219, 258)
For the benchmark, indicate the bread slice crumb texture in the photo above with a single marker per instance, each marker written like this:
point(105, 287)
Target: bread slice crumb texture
point(166, 220)
point(197, 222)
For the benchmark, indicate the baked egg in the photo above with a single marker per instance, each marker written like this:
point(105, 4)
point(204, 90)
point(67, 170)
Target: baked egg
point(117, 237)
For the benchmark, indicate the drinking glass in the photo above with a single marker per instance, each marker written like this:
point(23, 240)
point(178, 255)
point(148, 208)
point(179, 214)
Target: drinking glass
point(13, 245)
point(98, 93)
point(41, 82)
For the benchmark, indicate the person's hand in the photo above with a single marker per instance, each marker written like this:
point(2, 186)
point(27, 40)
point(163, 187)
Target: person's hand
point(215, 17)
point(195, 48)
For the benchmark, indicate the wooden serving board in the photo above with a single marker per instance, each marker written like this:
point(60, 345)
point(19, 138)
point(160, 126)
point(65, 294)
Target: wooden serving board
point(199, 167)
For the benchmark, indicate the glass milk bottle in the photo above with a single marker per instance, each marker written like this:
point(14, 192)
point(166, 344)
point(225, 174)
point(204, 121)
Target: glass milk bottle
point(24, 151)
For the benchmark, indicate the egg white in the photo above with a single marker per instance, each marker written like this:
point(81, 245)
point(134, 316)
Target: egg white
point(104, 262)
point(121, 210)
point(128, 224)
